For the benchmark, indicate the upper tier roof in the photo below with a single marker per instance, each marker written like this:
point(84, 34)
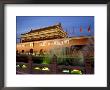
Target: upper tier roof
point(42, 29)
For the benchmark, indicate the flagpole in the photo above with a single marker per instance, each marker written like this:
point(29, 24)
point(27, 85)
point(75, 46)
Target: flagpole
point(80, 30)
point(89, 30)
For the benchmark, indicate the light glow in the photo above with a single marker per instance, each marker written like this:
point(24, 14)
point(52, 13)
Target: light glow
point(76, 71)
point(67, 71)
point(24, 66)
point(37, 68)
point(17, 65)
point(31, 44)
point(45, 69)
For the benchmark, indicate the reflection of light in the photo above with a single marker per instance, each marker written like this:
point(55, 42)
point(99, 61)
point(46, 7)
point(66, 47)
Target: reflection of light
point(37, 68)
point(45, 69)
point(66, 71)
point(24, 66)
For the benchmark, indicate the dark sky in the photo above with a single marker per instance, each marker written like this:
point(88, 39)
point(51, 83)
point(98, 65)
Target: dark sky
point(71, 24)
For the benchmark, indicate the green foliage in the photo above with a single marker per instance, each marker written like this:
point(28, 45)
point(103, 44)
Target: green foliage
point(37, 59)
point(70, 61)
point(46, 60)
point(42, 59)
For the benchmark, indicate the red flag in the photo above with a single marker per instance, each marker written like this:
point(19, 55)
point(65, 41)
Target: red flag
point(80, 29)
point(89, 29)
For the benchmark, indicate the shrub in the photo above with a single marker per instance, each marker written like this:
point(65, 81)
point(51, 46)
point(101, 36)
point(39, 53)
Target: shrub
point(37, 60)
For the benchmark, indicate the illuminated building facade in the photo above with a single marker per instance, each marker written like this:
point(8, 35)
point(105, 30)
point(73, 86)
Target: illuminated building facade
point(50, 40)
point(51, 32)
point(53, 41)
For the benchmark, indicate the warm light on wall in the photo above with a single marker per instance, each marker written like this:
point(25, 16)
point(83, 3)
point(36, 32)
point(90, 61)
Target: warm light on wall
point(22, 45)
point(61, 42)
point(56, 42)
point(31, 44)
point(48, 43)
point(66, 41)
point(42, 43)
